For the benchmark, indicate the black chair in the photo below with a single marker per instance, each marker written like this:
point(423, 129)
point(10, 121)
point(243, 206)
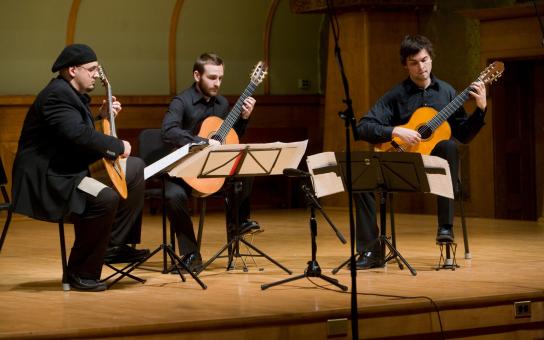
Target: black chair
point(6, 205)
point(151, 149)
point(118, 274)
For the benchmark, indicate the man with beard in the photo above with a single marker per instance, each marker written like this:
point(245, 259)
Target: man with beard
point(58, 143)
point(179, 127)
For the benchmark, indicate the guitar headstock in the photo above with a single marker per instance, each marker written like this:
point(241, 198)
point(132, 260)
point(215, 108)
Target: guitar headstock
point(102, 76)
point(259, 72)
point(492, 72)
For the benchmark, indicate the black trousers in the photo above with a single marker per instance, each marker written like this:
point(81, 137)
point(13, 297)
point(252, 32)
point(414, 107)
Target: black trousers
point(108, 220)
point(178, 193)
point(366, 228)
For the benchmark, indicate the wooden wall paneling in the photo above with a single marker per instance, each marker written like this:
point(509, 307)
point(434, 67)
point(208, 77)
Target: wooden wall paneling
point(505, 33)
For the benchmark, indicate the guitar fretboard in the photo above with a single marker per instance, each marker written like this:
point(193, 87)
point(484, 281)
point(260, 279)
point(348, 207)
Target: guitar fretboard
point(234, 113)
point(447, 111)
point(110, 113)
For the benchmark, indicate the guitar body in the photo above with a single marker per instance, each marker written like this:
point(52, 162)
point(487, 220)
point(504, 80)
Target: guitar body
point(432, 125)
point(108, 171)
point(429, 139)
point(206, 186)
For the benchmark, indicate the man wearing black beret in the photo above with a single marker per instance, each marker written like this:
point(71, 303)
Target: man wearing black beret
point(58, 143)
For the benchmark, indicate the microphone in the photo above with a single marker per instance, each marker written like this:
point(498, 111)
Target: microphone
point(290, 172)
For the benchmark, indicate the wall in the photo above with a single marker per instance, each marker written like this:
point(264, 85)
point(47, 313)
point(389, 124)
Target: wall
point(133, 39)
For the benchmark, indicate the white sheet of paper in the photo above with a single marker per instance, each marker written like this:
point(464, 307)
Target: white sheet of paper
point(327, 183)
point(91, 186)
point(438, 183)
point(166, 161)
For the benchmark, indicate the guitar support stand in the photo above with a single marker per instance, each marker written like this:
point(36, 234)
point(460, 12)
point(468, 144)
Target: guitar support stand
point(449, 261)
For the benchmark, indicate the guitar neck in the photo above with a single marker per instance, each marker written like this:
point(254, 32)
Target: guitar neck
point(447, 111)
point(111, 116)
point(235, 112)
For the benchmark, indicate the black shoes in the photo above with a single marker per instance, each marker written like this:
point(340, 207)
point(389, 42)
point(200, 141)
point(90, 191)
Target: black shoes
point(87, 285)
point(249, 226)
point(192, 261)
point(445, 234)
point(370, 259)
point(124, 254)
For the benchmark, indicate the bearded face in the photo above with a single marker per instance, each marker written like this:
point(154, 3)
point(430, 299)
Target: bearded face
point(209, 81)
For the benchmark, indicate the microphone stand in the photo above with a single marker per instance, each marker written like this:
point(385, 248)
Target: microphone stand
point(313, 269)
point(349, 120)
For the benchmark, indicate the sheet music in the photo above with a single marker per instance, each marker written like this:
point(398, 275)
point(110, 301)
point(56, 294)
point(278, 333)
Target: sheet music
point(166, 161)
point(261, 159)
point(440, 184)
point(324, 183)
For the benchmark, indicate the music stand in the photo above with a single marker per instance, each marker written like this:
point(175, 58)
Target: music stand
point(160, 168)
point(241, 160)
point(384, 173)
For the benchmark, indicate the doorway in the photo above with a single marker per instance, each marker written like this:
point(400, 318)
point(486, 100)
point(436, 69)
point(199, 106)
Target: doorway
point(518, 126)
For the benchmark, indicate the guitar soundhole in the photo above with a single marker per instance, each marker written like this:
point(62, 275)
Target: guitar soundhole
point(425, 131)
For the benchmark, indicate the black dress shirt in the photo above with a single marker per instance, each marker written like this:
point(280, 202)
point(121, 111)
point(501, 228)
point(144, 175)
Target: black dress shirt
point(186, 113)
point(398, 104)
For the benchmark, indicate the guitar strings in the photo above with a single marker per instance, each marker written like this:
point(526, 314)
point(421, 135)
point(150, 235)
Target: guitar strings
point(235, 112)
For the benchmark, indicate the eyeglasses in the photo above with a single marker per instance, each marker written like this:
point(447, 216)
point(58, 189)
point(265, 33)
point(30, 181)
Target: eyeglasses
point(92, 70)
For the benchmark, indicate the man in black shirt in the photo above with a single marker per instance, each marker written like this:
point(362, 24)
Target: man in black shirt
point(179, 127)
point(381, 124)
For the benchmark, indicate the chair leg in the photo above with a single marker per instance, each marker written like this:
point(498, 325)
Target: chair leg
point(65, 284)
point(5, 230)
point(201, 223)
point(468, 256)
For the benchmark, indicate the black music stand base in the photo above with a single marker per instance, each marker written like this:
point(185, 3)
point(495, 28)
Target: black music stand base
point(313, 269)
point(393, 254)
point(177, 263)
point(233, 245)
point(447, 262)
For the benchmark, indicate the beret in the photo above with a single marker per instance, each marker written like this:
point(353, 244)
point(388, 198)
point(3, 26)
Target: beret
point(73, 55)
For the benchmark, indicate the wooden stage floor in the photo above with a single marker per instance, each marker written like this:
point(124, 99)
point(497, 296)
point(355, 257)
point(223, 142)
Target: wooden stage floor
point(476, 301)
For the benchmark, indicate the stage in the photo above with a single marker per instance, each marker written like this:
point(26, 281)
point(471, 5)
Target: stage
point(474, 301)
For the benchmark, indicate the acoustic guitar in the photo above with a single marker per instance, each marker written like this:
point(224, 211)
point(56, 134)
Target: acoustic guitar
point(432, 125)
point(221, 130)
point(105, 170)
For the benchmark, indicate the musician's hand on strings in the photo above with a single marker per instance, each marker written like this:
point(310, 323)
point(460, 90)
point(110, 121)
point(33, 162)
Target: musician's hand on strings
point(116, 106)
point(479, 94)
point(126, 153)
point(408, 136)
point(247, 107)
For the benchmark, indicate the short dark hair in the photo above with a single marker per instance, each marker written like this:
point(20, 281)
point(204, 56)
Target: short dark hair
point(413, 44)
point(205, 59)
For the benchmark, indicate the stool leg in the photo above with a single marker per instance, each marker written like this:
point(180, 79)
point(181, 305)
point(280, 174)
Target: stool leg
point(5, 230)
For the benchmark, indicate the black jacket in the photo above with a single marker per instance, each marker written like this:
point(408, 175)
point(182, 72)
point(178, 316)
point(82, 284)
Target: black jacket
point(58, 142)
